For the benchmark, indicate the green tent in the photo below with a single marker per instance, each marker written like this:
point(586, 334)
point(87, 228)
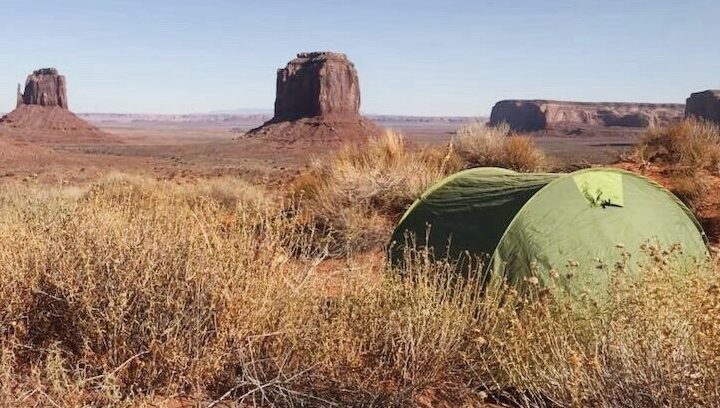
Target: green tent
point(537, 223)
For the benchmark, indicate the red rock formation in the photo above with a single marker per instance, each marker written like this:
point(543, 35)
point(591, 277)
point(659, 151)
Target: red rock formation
point(45, 87)
point(704, 105)
point(42, 113)
point(533, 115)
point(317, 100)
point(20, 100)
point(317, 84)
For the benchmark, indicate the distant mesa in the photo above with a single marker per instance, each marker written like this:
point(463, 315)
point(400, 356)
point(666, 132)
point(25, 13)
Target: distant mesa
point(317, 100)
point(704, 105)
point(535, 115)
point(42, 113)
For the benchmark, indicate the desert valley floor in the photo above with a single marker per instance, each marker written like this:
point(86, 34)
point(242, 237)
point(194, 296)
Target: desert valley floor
point(168, 149)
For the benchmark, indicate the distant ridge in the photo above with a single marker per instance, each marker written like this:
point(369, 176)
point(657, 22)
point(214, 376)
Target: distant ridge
point(261, 116)
point(528, 115)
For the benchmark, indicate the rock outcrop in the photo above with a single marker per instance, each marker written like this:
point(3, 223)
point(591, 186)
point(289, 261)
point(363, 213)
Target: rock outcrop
point(317, 99)
point(534, 115)
point(20, 100)
point(317, 84)
point(46, 87)
point(704, 105)
point(42, 113)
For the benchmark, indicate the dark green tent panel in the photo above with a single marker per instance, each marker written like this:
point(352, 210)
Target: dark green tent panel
point(473, 208)
point(534, 223)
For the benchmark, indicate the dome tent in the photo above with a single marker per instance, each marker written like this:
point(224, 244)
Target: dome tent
point(533, 223)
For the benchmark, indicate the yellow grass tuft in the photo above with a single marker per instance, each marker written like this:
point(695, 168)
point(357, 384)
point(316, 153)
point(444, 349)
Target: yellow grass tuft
point(478, 145)
point(355, 196)
point(691, 145)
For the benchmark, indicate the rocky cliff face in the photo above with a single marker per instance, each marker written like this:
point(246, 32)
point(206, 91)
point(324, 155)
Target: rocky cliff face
point(45, 87)
point(317, 100)
point(533, 115)
point(704, 105)
point(317, 84)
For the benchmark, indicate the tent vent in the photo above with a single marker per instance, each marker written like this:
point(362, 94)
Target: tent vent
point(601, 189)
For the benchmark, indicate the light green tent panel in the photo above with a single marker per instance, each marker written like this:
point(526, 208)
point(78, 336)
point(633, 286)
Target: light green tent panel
point(533, 223)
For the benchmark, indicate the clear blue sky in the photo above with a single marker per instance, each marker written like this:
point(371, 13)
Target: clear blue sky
point(422, 57)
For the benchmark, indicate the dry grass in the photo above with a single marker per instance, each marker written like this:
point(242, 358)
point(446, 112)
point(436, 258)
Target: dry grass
point(478, 145)
point(354, 198)
point(690, 146)
point(689, 152)
point(130, 289)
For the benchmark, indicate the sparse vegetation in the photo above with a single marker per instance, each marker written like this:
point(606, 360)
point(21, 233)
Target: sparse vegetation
point(691, 146)
point(688, 151)
point(131, 290)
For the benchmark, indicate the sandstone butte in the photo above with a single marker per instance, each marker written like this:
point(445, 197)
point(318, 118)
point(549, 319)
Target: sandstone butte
point(42, 113)
point(317, 100)
point(534, 115)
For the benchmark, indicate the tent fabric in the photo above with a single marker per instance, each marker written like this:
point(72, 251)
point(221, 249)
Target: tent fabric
point(472, 208)
point(601, 188)
point(536, 224)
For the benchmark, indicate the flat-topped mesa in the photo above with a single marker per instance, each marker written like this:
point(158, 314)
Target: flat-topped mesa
point(45, 87)
point(704, 105)
point(317, 84)
point(534, 115)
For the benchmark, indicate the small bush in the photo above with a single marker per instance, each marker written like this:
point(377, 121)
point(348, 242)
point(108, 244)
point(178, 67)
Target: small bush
point(356, 195)
point(478, 145)
point(690, 145)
